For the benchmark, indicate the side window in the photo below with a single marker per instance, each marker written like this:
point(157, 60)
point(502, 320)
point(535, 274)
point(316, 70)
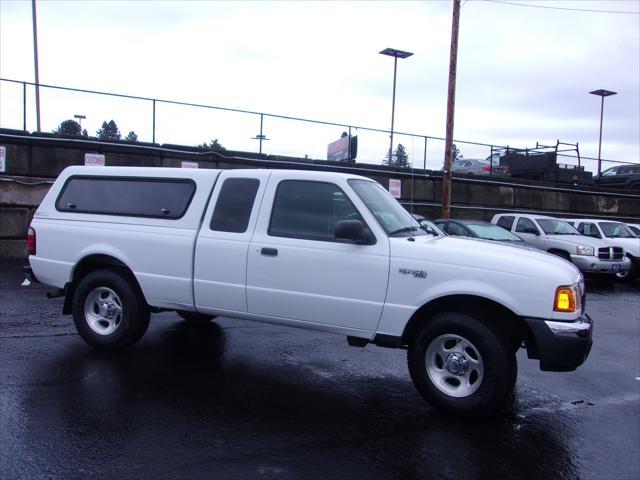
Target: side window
point(234, 205)
point(309, 210)
point(140, 197)
point(506, 221)
point(526, 225)
point(455, 229)
point(589, 229)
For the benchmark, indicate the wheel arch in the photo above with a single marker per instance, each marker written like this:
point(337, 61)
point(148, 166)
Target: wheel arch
point(560, 252)
point(94, 262)
point(495, 315)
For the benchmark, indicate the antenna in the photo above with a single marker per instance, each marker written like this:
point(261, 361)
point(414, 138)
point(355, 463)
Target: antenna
point(411, 200)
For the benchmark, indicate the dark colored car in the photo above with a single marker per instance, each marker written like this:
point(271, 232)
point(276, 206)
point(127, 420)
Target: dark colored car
point(478, 229)
point(620, 176)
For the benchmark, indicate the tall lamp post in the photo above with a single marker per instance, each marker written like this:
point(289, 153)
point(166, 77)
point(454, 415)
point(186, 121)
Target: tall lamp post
point(80, 118)
point(396, 54)
point(601, 93)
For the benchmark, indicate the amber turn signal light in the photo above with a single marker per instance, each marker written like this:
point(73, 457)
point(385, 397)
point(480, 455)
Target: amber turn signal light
point(567, 300)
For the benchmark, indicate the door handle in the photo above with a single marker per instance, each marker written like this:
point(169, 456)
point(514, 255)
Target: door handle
point(270, 252)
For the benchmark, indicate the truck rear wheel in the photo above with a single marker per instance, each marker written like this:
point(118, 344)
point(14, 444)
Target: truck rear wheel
point(108, 312)
point(461, 366)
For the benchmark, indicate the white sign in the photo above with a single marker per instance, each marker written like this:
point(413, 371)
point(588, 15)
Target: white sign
point(395, 188)
point(189, 164)
point(3, 159)
point(95, 159)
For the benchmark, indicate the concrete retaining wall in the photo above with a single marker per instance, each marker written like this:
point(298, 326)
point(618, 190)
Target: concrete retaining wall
point(33, 163)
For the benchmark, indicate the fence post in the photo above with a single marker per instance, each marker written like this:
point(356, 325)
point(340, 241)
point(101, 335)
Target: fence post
point(154, 121)
point(425, 154)
point(24, 106)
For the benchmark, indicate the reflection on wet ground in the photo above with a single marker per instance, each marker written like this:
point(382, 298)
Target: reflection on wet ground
point(244, 400)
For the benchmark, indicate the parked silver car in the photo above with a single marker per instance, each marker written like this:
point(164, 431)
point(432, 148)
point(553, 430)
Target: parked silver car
point(472, 166)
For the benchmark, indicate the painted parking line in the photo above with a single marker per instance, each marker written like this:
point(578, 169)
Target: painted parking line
point(638, 378)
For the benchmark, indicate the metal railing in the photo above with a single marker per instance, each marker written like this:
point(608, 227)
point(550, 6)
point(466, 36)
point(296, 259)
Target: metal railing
point(430, 148)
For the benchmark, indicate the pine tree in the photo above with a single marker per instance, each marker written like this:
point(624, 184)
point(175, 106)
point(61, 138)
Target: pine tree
point(400, 158)
point(131, 137)
point(68, 127)
point(108, 132)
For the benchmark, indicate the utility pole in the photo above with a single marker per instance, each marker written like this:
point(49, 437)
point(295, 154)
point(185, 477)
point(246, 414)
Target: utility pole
point(451, 103)
point(35, 59)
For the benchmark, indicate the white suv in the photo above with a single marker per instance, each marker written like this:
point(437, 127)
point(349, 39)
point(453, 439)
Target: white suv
point(556, 236)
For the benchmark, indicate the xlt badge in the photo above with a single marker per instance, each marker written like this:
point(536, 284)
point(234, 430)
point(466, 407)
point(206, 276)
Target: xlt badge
point(414, 273)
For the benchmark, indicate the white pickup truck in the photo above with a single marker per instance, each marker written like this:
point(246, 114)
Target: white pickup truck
point(319, 250)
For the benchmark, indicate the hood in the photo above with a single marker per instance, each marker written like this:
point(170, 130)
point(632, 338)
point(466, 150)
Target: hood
point(475, 253)
point(631, 245)
point(578, 240)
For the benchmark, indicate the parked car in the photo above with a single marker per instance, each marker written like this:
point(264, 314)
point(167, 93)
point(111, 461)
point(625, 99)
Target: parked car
point(621, 176)
point(428, 226)
point(478, 229)
point(554, 235)
point(635, 228)
point(472, 166)
point(615, 233)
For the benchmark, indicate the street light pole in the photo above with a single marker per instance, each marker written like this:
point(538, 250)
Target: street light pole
point(261, 136)
point(392, 52)
point(601, 93)
point(35, 61)
point(80, 118)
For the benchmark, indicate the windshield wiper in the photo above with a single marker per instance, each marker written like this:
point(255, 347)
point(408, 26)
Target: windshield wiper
point(404, 230)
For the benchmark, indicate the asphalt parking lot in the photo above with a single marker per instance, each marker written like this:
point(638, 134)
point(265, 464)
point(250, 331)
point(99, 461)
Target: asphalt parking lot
point(245, 400)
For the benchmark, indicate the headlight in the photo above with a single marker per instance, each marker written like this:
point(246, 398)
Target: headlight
point(582, 250)
point(568, 299)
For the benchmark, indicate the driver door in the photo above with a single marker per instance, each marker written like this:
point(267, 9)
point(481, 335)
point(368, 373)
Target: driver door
point(298, 270)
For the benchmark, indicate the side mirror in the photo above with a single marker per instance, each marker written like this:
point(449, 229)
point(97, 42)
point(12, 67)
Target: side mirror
point(531, 230)
point(355, 231)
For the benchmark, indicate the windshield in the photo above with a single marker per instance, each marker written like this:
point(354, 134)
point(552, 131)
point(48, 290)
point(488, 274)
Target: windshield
point(616, 230)
point(391, 216)
point(492, 232)
point(552, 226)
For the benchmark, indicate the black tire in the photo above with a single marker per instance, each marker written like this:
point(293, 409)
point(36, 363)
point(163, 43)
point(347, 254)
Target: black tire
point(486, 352)
point(195, 317)
point(108, 312)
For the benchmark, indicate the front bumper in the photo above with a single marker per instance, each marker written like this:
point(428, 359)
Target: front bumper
point(560, 346)
point(592, 264)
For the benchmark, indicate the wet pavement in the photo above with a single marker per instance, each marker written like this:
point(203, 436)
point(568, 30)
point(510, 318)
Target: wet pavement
point(244, 400)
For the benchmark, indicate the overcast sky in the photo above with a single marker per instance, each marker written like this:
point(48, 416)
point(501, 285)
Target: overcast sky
point(524, 73)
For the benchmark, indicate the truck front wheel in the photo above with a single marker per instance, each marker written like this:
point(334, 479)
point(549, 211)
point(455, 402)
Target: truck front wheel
point(108, 312)
point(462, 367)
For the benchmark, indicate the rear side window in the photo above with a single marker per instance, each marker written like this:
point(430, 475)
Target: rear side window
point(140, 197)
point(234, 205)
point(310, 210)
point(506, 222)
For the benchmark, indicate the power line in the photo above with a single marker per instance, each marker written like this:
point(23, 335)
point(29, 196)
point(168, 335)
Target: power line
point(516, 4)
